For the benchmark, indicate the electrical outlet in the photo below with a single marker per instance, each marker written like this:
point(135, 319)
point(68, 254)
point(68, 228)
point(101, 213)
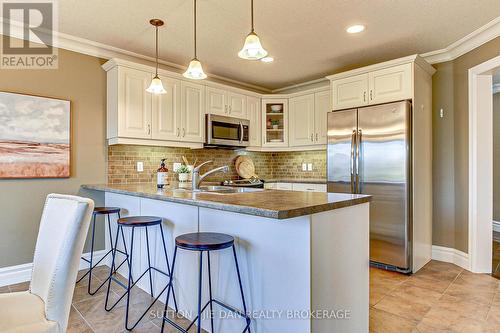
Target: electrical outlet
point(176, 166)
point(310, 167)
point(304, 167)
point(140, 166)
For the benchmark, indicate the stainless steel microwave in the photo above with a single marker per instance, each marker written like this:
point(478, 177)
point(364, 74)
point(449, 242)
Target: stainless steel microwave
point(226, 131)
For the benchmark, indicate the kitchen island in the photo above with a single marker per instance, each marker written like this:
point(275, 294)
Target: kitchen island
point(303, 256)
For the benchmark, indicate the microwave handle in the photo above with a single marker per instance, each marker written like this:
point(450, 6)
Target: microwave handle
point(241, 133)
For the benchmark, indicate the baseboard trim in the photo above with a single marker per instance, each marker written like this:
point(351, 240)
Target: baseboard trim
point(448, 254)
point(22, 273)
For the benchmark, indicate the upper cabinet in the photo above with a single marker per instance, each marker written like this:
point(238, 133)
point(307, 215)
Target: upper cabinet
point(389, 84)
point(254, 115)
point(193, 120)
point(275, 122)
point(307, 120)
point(166, 116)
point(226, 103)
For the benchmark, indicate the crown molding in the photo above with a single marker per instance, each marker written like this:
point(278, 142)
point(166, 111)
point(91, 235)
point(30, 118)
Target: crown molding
point(466, 44)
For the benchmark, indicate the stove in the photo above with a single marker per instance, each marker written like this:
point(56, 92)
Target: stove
point(252, 182)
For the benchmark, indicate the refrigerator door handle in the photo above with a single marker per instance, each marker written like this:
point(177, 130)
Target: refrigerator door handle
point(358, 145)
point(353, 143)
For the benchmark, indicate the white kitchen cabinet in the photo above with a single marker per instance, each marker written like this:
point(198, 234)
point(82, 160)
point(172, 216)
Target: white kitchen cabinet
point(132, 108)
point(284, 186)
point(391, 84)
point(167, 116)
point(226, 103)
point(350, 92)
point(275, 122)
point(193, 115)
point(309, 187)
point(254, 115)
point(301, 125)
point(322, 105)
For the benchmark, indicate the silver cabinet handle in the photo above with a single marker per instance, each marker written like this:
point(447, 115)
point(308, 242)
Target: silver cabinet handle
point(358, 147)
point(149, 129)
point(230, 109)
point(316, 137)
point(364, 96)
point(371, 95)
point(312, 137)
point(178, 132)
point(183, 132)
point(353, 143)
point(225, 108)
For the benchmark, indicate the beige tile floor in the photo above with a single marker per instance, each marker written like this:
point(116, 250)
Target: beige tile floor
point(440, 298)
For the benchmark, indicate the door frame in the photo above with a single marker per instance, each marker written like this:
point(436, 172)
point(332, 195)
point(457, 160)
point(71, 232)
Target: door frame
point(481, 166)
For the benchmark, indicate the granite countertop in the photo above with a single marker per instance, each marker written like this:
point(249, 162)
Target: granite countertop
point(297, 180)
point(268, 203)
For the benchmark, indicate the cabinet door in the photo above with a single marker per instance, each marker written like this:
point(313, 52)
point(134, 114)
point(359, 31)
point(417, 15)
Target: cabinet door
point(134, 110)
point(350, 92)
point(166, 122)
point(301, 128)
point(391, 84)
point(216, 101)
point(236, 104)
point(274, 122)
point(193, 112)
point(253, 110)
point(321, 108)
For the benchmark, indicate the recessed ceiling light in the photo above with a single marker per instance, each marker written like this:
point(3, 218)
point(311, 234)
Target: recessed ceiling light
point(354, 29)
point(267, 59)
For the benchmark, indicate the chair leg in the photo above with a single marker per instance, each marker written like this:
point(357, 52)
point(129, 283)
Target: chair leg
point(168, 267)
point(241, 291)
point(170, 285)
point(200, 281)
point(111, 271)
point(129, 280)
point(210, 293)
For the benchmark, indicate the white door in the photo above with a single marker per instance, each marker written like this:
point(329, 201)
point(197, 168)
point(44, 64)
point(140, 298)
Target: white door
point(350, 92)
point(134, 111)
point(391, 84)
point(193, 112)
point(166, 122)
point(236, 104)
point(216, 101)
point(301, 120)
point(254, 114)
point(322, 106)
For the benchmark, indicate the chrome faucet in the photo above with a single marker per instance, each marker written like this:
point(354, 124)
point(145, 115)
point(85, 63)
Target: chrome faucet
point(196, 178)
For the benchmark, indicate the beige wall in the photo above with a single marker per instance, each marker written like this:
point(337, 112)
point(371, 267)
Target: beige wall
point(81, 80)
point(455, 154)
point(496, 156)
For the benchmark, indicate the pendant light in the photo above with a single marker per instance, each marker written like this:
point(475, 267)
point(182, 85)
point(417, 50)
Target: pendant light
point(156, 86)
point(252, 49)
point(195, 70)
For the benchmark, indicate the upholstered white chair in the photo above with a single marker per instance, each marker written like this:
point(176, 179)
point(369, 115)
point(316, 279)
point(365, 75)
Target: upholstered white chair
point(46, 306)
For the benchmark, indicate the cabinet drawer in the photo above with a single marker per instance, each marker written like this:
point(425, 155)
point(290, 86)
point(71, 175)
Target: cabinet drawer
point(284, 186)
point(309, 187)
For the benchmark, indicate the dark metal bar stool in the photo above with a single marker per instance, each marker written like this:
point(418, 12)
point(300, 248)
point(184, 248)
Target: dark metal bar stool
point(139, 222)
point(103, 211)
point(206, 242)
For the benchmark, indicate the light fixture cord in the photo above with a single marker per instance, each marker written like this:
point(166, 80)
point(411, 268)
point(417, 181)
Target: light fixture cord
point(252, 14)
point(156, 36)
point(195, 51)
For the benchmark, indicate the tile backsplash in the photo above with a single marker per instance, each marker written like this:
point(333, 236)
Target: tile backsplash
point(122, 163)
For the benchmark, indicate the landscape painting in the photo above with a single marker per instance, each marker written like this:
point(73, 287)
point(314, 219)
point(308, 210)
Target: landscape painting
point(34, 136)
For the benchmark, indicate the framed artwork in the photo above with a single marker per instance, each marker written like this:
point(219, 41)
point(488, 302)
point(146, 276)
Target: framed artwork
point(34, 136)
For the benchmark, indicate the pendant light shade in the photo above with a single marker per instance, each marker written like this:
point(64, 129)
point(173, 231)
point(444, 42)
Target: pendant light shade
point(156, 86)
point(252, 49)
point(195, 70)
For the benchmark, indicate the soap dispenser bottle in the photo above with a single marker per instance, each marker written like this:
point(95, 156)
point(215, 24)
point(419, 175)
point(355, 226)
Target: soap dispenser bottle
point(162, 175)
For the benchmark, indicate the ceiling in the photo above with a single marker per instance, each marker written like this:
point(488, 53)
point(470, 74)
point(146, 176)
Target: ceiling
point(306, 38)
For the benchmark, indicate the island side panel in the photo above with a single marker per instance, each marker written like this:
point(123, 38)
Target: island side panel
point(274, 257)
point(340, 269)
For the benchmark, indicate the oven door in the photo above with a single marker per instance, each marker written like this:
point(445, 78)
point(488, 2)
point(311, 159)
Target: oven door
point(227, 131)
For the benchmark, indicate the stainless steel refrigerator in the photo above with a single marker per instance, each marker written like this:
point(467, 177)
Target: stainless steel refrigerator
point(369, 152)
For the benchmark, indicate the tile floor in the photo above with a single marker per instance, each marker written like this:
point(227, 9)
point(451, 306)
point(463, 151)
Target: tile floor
point(440, 298)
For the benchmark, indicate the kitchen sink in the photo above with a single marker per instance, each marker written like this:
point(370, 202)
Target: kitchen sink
point(228, 189)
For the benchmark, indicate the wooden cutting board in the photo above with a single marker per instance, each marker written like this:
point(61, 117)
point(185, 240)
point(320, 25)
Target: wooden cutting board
point(245, 167)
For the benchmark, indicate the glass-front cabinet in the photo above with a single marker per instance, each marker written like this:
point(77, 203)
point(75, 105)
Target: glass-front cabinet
point(275, 122)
